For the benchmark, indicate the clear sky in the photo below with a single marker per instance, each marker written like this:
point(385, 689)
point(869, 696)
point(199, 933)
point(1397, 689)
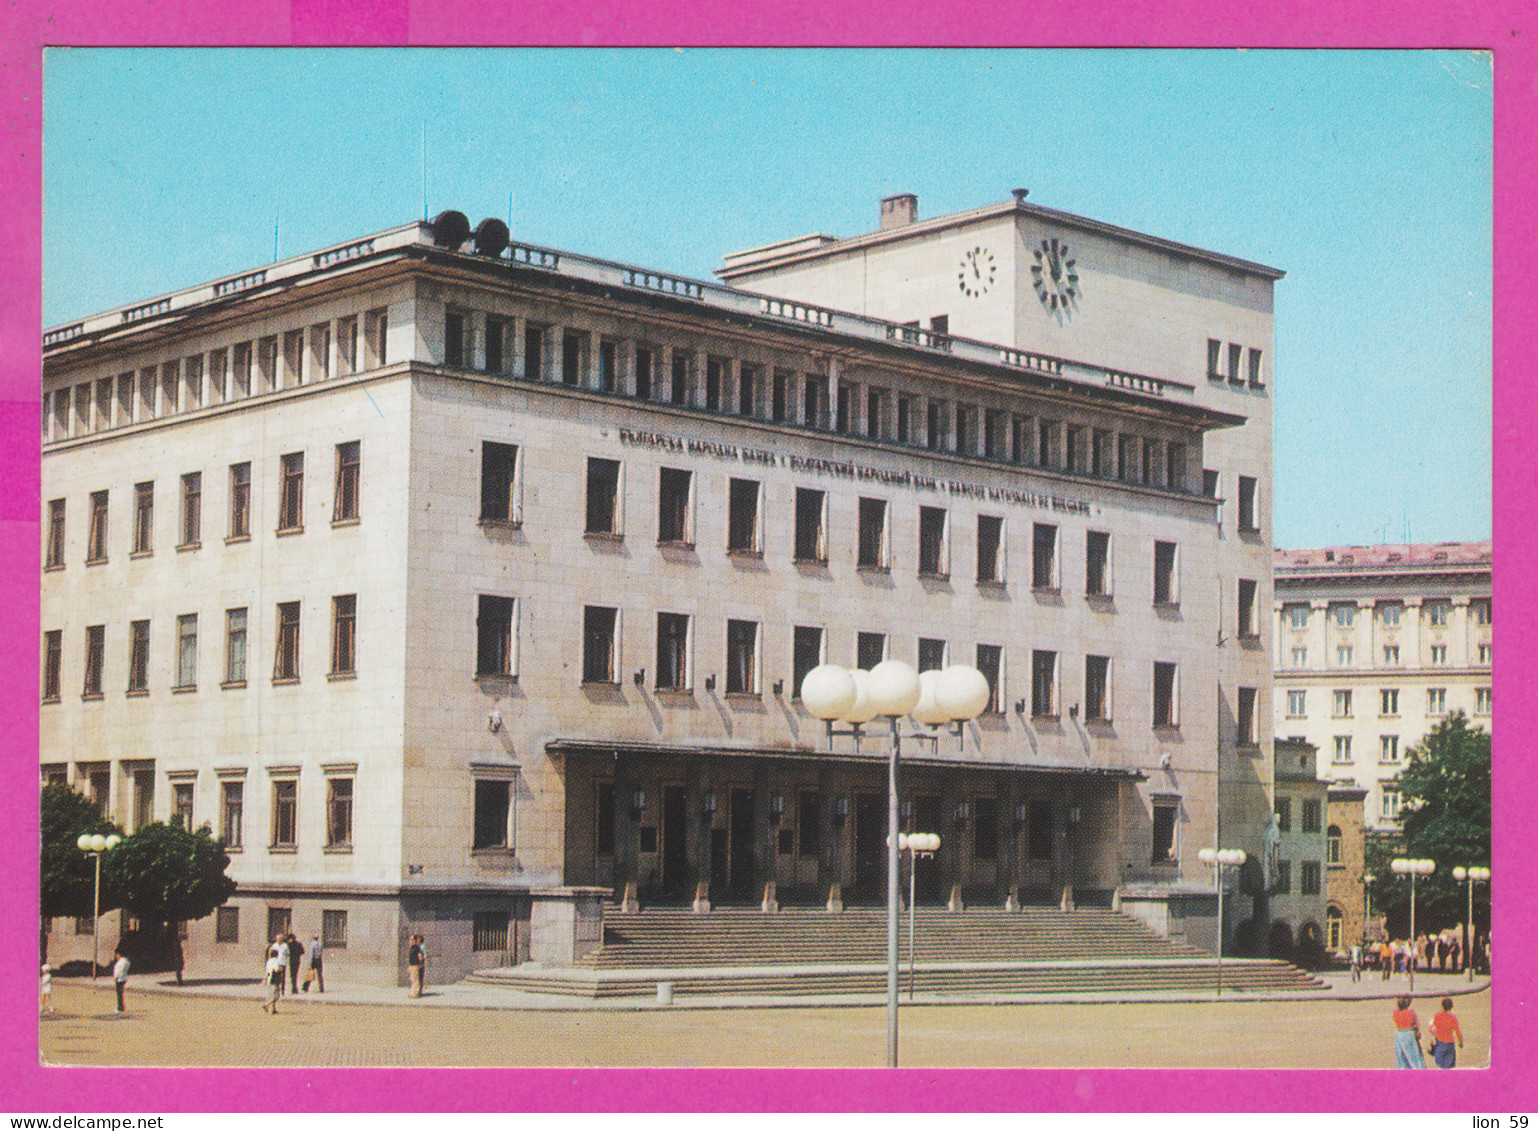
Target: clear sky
point(1366, 176)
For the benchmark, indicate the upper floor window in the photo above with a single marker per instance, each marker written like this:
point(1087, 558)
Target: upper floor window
point(1436, 701)
point(600, 660)
point(933, 551)
point(338, 815)
point(348, 470)
point(743, 520)
point(1248, 627)
point(1256, 381)
point(1247, 734)
point(1481, 611)
point(675, 507)
point(931, 654)
point(672, 652)
point(1249, 518)
point(1389, 613)
point(1284, 814)
point(96, 536)
point(454, 339)
point(291, 492)
point(811, 525)
point(1438, 613)
point(1043, 684)
point(1344, 615)
point(1044, 556)
point(192, 509)
point(603, 494)
point(1295, 615)
point(741, 657)
point(1342, 749)
point(187, 651)
point(990, 549)
point(1391, 655)
point(138, 656)
point(1097, 563)
point(234, 647)
point(344, 634)
point(1343, 655)
point(499, 482)
point(240, 500)
point(1296, 700)
point(53, 552)
point(1300, 657)
point(1388, 804)
point(144, 518)
point(1332, 845)
point(495, 638)
point(286, 655)
point(1388, 701)
point(873, 534)
point(1388, 748)
point(1166, 588)
point(1343, 704)
point(869, 649)
point(805, 654)
point(95, 647)
point(1165, 695)
point(1439, 654)
point(1311, 814)
point(1097, 688)
point(53, 654)
point(1484, 653)
point(990, 661)
point(1482, 700)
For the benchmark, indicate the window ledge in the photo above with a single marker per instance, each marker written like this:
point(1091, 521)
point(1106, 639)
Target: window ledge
point(188, 547)
point(50, 699)
point(234, 538)
point(353, 520)
point(183, 688)
point(679, 693)
point(602, 536)
point(1047, 590)
point(1249, 638)
point(610, 684)
point(337, 850)
point(493, 852)
point(744, 696)
point(230, 684)
point(55, 568)
point(91, 696)
point(283, 849)
point(1046, 718)
point(992, 583)
point(1106, 597)
point(925, 576)
point(286, 531)
point(1251, 748)
point(674, 544)
point(96, 561)
point(283, 681)
point(340, 677)
point(496, 677)
point(863, 568)
point(233, 849)
point(499, 523)
point(137, 692)
point(1170, 605)
point(1167, 728)
point(738, 552)
point(819, 562)
point(137, 554)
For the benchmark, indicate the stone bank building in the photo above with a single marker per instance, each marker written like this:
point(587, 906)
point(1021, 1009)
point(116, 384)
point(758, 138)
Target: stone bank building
point(459, 584)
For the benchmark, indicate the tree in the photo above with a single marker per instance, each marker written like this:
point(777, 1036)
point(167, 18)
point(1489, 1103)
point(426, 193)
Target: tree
point(1445, 792)
point(68, 875)
point(168, 875)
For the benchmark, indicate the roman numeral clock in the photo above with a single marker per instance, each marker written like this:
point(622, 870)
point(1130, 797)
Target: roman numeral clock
point(1055, 277)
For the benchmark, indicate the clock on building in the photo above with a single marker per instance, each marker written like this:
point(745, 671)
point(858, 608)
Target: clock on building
point(976, 273)
point(1055, 276)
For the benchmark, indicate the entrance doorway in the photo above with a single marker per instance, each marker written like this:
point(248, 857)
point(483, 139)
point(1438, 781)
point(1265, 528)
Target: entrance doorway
point(675, 841)
point(926, 870)
point(869, 846)
point(740, 884)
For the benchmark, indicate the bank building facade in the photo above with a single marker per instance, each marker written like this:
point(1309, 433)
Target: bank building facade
point(465, 587)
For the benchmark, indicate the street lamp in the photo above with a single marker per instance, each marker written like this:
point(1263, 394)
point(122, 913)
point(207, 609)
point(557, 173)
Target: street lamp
point(96, 844)
point(892, 689)
point(1217, 859)
point(1412, 868)
point(1471, 875)
point(915, 845)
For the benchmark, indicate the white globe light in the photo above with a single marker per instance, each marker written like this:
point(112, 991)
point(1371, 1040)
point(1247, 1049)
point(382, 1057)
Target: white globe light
point(962, 692)
point(1400, 866)
point(83, 842)
point(98, 843)
point(1207, 855)
point(113, 841)
point(893, 687)
point(827, 691)
point(931, 842)
point(1460, 872)
point(1426, 867)
point(1480, 873)
point(926, 711)
point(863, 709)
point(904, 842)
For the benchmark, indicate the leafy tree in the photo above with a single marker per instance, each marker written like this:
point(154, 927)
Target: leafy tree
point(1445, 791)
point(169, 875)
point(69, 875)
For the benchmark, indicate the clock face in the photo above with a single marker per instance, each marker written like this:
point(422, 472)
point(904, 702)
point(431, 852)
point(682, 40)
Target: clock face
point(1055, 276)
point(976, 273)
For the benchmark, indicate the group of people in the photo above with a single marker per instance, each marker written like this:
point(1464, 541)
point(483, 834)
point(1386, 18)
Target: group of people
point(284, 959)
point(1444, 1033)
point(1442, 953)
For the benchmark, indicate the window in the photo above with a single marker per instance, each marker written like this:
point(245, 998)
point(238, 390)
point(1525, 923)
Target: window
point(1044, 556)
point(494, 636)
point(1255, 378)
point(346, 346)
point(144, 518)
point(1332, 854)
point(1166, 591)
point(138, 656)
point(235, 647)
point(192, 510)
point(808, 824)
point(240, 369)
point(1295, 616)
point(320, 351)
point(602, 496)
point(53, 554)
point(643, 374)
point(286, 660)
point(344, 634)
point(232, 796)
point(678, 393)
point(285, 813)
point(1480, 611)
point(1300, 657)
point(227, 924)
point(293, 358)
point(1296, 701)
point(333, 929)
point(1097, 564)
point(990, 661)
point(1343, 655)
point(1283, 878)
point(1246, 720)
point(339, 812)
point(291, 493)
point(143, 797)
point(675, 511)
point(187, 651)
point(1165, 695)
point(1235, 355)
point(348, 457)
point(1342, 705)
point(742, 531)
point(931, 655)
point(240, 500)
point(1484, 654)
point(1437, 613)
point(571, 358)
point(95, 645)
point(806, 654)
point(741, 657)
point(1249, 521)
point(534, 352)
point(1046, 443)
point(1342, 753)
point(1214, 359)
point(1175, 467)
point(1308, 877)
point(782, 396)
point(1391, 655)
point(1388, 748)
point(1164, 817)
point(934, 558)
point(844, 408)
point(608, 366)
point(53, 654)
point(598, 640)
point(1248, 621)
point(990, 547)
point(875, 413)
point(672, 652)
point(489, 931)
point(1439, 654)
point(934, 433)
point(869, 649)
point(1097, 688)
point(1311, 813)
point(1043, 684)
point(811, 540)
point(181, 804)
point(1389, 613)
point(1284, 814)
point(1102, 459)
point(873, 534)
point(1388, 701)
point(1343, 615)
point(1388, 805)
point(499, 482)
point(1482, 700)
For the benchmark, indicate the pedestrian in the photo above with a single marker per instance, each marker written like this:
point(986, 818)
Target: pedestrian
point(295, 960)
point(273, 978)
point(1442, 953)
point(1407, 1037)
point(1455, 952)
point(1385, 959)
point(416, 965)
point(1356, 963)
point(177, 957)
point(45, 989)
point(120, 979)
point(280, 952)
point(1444, 1031)
point(316, 972)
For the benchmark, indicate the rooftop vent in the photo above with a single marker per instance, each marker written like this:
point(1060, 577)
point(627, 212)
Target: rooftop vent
point(450, 229)
point(899, 211)
point(1021, 194)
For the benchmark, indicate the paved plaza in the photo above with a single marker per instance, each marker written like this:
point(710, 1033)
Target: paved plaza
point(224, 1025)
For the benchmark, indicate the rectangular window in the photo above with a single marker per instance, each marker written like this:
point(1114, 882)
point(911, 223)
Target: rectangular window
point(931, 655)
point(1389, 613)
point(240, 370)
point(339, 812)
point(935, 426)
point(1166, 589)
point(1214, 359)
point(608, 366)
point(672, 652)
point(227, 924)
point(187, 651)
point(1235, 356)
point(1388, 701)
point(990, 550)
point(54, 551)
point(780, 399)
point(348, 469)
point(192, 509)
point(875, 413)
point(678, 392)
point(534, 352)
point(1436, 701)
point(990, 661)
point(1097, 564)
point(333, 929)
point(1439, 654)
point(293, 358)
point(1097, 688)
point(1295, 616)
point(1299, 657)
point(170, 380)
point(95, 645)
point(499, 482)
point(344, 634)
point(1283, 882)
point(1247, 735)
point(1164, 820)
point(320, 351)
point(873, 534)
point(1044, 557)
point(53, 654)
point(933, 557)
point(488, 931)
point(1309, 877)
point(1482, 700)
point(602, 496)
point(571, 358)
point(966, 438)
point(285, 813)
point(1342, 753)
point(240, 500)
point(346, 346)
point(1249, 520)
point(742, 521)
point(144, 518)
point(235, 646)
point(741, 657)
point(1043, 684)
point(1284, 814)
point(806, 654)
point(1165, 696)
point(1388, 805)
point(494, 635)
point(1391, 655)
point(286, 659)
point(904, 420)
point(1175, 466)
point(675, 510)
point(1311, 823)
point(291, 492)
point(1249, 622)
point(598, 644)
point(1255, 379)
point(138, 655)
point(1484, 654)
point(747, 390)
point(1388, 748)
point(811, 526)
point(1343, 655)
point(1344, 615)
point(143, 798)
point(1480, 611)
point(1342, 704)
point(1295, 704)
point(232, 800)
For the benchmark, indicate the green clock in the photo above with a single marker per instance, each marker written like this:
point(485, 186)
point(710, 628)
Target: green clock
point(976, 273)
point(1055, 276)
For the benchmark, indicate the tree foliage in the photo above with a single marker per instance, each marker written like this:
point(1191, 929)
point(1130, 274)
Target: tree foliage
point(169, 875)
point(1445, 792)
point(69, 875)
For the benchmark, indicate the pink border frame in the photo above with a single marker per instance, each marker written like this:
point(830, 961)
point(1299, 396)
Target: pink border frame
point(1504, 26)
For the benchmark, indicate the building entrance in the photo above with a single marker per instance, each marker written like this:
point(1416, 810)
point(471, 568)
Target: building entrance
point(675, 841)
point(740, 883)
point(869, 846)
point(927, 886)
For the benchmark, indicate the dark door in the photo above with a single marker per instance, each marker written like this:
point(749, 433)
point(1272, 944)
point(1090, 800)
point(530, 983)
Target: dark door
point(675, 840)
point(927, 885)
point(720, 863)
point(741, 885)
point(869, 846)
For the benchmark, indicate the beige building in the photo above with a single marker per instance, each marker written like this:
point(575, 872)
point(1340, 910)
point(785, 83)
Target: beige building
point(451, 581)
point(1297, 869)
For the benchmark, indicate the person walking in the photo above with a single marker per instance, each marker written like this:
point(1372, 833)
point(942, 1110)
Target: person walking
point(273, 978)
point(316, 973)
point(1407, 1037)
point(1386, 959)
point(416, 965)
point(45, 989)
point(1444, 1031)
point(295, 960)
point(1356, 963)
point(120, 979)
point(280, 952)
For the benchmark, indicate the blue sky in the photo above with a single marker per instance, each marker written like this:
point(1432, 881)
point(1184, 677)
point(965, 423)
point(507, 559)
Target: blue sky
point(1366, 176)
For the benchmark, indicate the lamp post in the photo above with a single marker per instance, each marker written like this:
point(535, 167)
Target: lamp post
point(1218, 859)
point(915, 845)
point(1472, 875)
point(96, 844)
point(1412, 868)
point(892, 689)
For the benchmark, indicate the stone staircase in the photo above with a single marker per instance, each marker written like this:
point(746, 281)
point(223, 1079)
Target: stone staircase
point(732, 952)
